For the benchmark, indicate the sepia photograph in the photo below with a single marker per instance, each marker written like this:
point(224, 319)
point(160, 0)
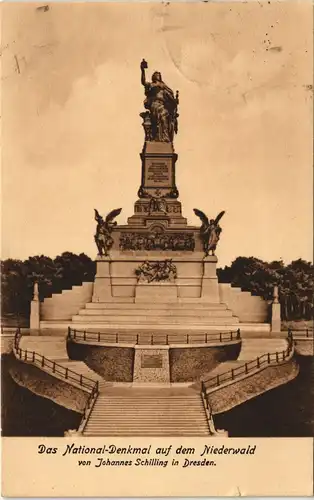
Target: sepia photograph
point(157, 268)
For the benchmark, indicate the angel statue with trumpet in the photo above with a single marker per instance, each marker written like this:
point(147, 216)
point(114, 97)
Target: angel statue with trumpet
point(210, 231)
point(103, 238)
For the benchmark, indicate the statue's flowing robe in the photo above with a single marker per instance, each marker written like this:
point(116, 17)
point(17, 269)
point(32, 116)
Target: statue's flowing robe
point(161, 107)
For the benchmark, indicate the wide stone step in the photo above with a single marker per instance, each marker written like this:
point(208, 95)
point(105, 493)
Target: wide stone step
point(135, 404)
point(153, 320)
point(199, 415)
point(147, 312)
point(140, 404)
point(146, 432)
point(146, 400)
point(157, 408)
point(152, 399)
point(148, 419)
point(193, 305)
point(137, 407)
point(150, 429)
point(149, 433)
point(142, 423)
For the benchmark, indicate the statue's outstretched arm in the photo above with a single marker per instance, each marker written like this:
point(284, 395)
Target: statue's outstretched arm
point(143, 67)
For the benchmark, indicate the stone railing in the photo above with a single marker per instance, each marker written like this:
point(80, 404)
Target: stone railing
point(153, 339)
point(259, 363)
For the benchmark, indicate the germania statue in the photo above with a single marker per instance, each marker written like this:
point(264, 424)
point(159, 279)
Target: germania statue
point(160, 122)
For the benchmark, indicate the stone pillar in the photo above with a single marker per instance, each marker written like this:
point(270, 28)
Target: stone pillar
point(35, 311)
point(102, 283)
point(210, 288)
point(275, 312)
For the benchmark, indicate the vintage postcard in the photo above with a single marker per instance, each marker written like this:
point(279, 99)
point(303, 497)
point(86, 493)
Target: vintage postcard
point(157, 264)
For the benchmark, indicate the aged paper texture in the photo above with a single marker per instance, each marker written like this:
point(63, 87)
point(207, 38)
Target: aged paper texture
point(157, 270)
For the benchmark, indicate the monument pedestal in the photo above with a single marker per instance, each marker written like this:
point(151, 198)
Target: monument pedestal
point(102, 284)
point(209, 286)
point(158, 169)
point(158, 192)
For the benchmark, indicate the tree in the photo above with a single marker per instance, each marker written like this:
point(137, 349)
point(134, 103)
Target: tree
point(52, 275)
point(295, 282)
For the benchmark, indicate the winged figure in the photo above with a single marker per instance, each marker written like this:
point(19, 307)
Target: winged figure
point(103, 238)
point(209, 230)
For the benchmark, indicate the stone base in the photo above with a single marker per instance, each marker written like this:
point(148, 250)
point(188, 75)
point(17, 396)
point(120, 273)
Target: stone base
point(156, 292)
point(171, 217)
point(210, 289)
point(151, 365)
point(102, 284)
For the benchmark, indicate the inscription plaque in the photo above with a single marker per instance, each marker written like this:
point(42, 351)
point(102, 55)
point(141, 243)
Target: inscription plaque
point(151, 361)
point(158, 174)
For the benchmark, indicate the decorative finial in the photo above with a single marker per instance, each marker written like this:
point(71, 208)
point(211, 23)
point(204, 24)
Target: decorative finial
point(276, 295)
point(36, 292)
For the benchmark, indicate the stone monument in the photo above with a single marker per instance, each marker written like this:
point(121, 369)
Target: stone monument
point(157, 258)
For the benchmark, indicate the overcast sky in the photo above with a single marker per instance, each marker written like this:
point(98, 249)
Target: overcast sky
point(71, 131)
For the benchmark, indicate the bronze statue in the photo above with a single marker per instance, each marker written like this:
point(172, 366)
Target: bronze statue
point(157, 203)
point(210, 231)
point(157, 241)
point(156, 271)
point(161, 123)
point(103, 238)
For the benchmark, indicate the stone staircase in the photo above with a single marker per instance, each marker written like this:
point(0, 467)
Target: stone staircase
point(147, 412)
point(246, 306)
point(54, 349)
point(157, 316)
point(66, 303)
